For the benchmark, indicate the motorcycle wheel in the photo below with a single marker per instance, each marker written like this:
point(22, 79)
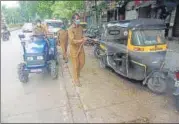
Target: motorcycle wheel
point(156, 84)
point(3, 38)
point(7, 37)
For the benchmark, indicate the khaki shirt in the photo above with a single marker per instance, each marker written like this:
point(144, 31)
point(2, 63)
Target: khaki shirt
point(75, 33)
point(39, 30)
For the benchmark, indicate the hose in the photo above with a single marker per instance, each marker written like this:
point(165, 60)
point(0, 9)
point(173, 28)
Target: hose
point(79, 49)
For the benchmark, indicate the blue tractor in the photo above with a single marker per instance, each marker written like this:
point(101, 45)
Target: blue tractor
point(40, 55)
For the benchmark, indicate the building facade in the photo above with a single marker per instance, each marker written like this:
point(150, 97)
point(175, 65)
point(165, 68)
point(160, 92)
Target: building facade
point(167, 10)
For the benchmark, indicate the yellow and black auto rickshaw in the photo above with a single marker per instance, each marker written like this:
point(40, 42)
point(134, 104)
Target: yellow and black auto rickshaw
point(136, 49)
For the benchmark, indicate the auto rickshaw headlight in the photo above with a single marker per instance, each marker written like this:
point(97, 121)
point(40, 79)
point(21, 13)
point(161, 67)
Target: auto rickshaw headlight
point(39, 57)
point(30, 58)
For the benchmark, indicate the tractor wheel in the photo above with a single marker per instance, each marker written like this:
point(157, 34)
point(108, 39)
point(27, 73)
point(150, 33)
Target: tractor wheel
point(157, 84)
point(58, 58)
point(53, 69)
point(22, 73)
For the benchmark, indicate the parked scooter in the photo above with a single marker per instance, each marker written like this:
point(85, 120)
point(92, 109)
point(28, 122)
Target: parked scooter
point(92, 33)
point(96, 50)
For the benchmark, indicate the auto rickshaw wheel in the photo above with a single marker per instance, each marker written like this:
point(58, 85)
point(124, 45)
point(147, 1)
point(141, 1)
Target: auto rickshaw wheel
point(177, 102)
point(23, 75)
point(96, 52)
point(157, 84)
point(103, 62)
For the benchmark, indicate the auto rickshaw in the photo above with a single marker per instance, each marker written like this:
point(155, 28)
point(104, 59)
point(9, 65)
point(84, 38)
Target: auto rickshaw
point(136, 49)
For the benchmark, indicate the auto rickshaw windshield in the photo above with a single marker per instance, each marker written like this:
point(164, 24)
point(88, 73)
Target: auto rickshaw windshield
point(148, 37)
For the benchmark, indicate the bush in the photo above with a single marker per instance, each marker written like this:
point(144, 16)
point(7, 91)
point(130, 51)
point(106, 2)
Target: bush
point(14, 25)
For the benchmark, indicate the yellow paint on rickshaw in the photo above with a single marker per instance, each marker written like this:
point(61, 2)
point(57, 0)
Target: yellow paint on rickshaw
point(153, 48)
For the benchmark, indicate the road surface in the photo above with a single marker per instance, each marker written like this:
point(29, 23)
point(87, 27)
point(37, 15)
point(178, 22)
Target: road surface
point(103, 97)
point(40, 100)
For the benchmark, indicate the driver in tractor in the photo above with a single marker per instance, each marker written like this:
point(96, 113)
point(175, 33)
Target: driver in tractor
point(39, 29)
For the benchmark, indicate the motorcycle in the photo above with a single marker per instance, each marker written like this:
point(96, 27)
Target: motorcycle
point(5, 35)
point(96, 50)
point(92, 34)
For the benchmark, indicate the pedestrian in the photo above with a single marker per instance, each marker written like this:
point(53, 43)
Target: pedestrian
point(63, 41)
point(77, 54)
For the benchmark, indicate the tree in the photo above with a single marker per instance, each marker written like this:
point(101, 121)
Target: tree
point(28, 9)
point(65, 9)
point(12, 15)
point(44, 8)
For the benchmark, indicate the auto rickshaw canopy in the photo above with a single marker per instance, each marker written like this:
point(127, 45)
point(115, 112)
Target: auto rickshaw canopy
point(142, 23)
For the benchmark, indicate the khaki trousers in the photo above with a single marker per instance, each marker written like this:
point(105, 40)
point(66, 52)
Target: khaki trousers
point(77, 64)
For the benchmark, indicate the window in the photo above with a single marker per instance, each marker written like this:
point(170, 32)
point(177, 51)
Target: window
point(148, 37)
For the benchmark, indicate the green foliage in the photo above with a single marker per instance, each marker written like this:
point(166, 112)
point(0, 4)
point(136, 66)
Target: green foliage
point(31, 10)
point(12, 15)
point(65, 9)
point(14, 25)
point(100, 7)
point(28, 9)
point(44, 8)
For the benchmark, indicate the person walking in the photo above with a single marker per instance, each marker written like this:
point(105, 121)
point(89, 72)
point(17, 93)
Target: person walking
point(77, 54)
point(63, 41)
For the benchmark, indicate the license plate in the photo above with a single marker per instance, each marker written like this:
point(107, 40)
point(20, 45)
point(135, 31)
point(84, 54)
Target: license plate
point(36, 70)
point(177, 84)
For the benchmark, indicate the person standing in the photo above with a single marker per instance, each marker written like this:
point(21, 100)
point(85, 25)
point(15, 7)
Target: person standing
point(63, 41)
point(77, 54)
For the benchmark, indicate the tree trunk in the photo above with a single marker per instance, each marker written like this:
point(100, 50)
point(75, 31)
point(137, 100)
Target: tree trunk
point(96, 12)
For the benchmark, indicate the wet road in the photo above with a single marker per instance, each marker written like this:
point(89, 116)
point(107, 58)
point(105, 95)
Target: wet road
point(103, 97)
point(40, 100)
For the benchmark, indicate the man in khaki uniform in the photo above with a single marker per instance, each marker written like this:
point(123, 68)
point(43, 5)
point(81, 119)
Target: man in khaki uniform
point(39, 29)
point(76, 39)
point(63, 40)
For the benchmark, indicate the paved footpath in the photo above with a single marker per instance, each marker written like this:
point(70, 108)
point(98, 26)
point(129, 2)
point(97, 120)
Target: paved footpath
point(108, 97)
